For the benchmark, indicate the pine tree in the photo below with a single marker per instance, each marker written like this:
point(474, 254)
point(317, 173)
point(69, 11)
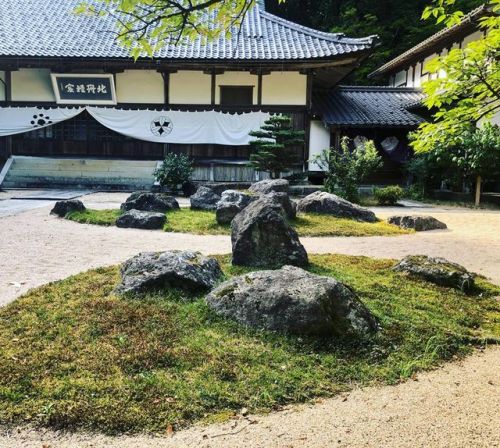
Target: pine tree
point(274, 151)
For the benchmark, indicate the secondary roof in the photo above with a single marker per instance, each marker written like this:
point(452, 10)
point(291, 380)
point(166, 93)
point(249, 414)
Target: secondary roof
point(359, 106)
point(49, 28)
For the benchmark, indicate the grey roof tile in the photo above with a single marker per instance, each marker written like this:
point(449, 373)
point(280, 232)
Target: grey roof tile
point(359, 106)
point(49, 28)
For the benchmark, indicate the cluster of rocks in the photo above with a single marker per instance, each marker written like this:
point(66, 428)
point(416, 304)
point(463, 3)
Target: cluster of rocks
point(144, 210)
point(417, 223)
point(288, 299)
point(436, 270)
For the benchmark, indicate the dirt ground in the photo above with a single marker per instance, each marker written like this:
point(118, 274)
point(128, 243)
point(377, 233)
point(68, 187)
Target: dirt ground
point(455, 406)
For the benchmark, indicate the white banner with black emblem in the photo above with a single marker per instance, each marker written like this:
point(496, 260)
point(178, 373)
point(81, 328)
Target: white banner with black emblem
point(16, 120)
point(204, 127)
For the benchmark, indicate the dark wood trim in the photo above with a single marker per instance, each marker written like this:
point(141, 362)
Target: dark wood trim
point(309, 88)
point(8, 86)
point(166, 87)
point(259, 89)
point(212, 87)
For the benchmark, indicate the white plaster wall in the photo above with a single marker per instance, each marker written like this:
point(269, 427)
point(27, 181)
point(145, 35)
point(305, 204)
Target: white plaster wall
point(190, 87)
point(471, 37)
point(2, 86)
point(284, 88)
point(139, 86)
point(32, 85)
point(236, 79)
point(319, 139)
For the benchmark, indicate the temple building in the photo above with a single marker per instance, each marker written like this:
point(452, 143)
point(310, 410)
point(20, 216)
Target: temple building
point(76, 109)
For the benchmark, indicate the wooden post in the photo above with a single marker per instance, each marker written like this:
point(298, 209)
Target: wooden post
point(478, 190)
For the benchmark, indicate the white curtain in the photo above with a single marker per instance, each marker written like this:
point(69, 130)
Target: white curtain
point(164, 126)
point(16, 120)
point(181, 127)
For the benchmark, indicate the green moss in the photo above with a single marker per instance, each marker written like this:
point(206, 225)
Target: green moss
point(202, 222)
point(74, 355)
point(99, 217)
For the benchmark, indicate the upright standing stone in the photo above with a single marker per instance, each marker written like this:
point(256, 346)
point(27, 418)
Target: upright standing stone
point(262, 237)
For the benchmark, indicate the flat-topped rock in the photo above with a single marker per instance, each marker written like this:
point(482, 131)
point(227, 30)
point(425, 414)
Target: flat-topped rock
point(62, 208)
point(204, 199)
point(436, 270)
point(330, 204)
point(153, 271)
point(261, 236)
point(231, 203)
point(418, 223)
point(139, 219)
point(270, 185)
point(150, 202)
point(291, 300)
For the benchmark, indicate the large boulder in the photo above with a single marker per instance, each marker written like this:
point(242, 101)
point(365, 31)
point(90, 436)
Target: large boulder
point(288, 206)
point(436, 270)
point(62, 208)
point(261, 236)
point(231, 203)
point(139, 219)
point(269, 185)
point(150, 202)
point(204, 199)
point(331, 204)
point(152, 271)
point(418, 223)
point(292, 300)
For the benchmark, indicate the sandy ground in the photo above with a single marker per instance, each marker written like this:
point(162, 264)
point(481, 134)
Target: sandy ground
point(455, 406)
point(452, 407)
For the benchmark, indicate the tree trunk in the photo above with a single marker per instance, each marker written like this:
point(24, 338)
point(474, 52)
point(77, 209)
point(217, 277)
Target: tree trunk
point(478, 190)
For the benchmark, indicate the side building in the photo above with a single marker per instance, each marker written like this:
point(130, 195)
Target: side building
point(76, 109)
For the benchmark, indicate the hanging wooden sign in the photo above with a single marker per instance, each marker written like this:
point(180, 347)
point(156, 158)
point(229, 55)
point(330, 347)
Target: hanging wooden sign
point(72, 88)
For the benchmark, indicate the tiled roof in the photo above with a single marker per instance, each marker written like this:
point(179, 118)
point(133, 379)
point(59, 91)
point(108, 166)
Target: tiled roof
point(49, 28)
point(352, 106)
point(428, 46)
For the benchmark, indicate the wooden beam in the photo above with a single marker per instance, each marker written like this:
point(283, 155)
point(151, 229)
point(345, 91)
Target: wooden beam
point(213, 86)
point(8, 86)
point(259, 89)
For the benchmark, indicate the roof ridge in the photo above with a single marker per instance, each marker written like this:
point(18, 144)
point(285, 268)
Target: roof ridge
point(378, 88)
point(469, 17)
point(333, 37)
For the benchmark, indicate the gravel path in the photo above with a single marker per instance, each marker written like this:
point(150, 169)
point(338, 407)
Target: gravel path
point(453, 407)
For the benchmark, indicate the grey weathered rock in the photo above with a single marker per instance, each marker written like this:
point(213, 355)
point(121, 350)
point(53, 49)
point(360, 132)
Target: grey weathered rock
point(436, 270)
point(331, 204)
point(262, 237)
point(269, 185)
point(151, 271)
point(292, 300)
point(231, 203)
point(289, 206)
point(418, 223)
point(141, 220)
point(150, 202)
point(204, 199)
point(62, 208)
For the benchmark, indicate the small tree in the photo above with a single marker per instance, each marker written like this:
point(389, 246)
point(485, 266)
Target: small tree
point(175, 170)
point(274, 147)
point(345, 169)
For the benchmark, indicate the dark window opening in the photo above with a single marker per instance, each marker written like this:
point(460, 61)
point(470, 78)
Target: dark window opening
point(236, 95)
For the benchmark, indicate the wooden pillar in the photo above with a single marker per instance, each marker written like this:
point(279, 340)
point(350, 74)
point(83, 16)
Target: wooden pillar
point(166, 87)
point(213, 86)
point(259, 89)
point(8, 86)
point(309, 88)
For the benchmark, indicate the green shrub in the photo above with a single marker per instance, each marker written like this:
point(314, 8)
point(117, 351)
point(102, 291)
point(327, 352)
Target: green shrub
point(175, 170)
point(389, 195)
